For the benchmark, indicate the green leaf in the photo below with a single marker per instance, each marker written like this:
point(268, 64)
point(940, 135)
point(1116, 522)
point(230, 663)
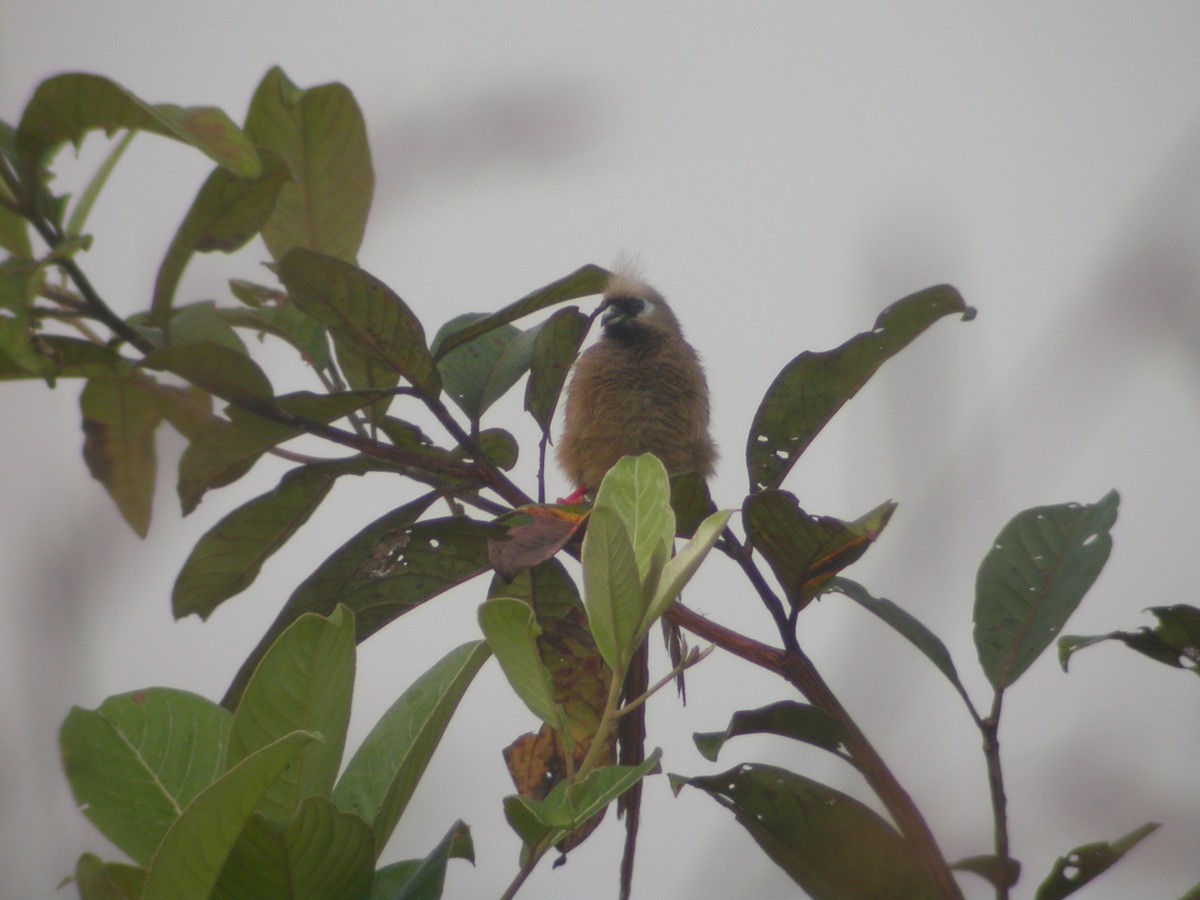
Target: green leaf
point(272, 313)
point(229, 556)
point(571, 805)
point(198, 323)
point(321, 133)
point(554, 350)
point(98, 880)
point(1175, 642)
point(691, 501)
point(218, 369)
point(320, 853)
point(139, 759)
point(91, 193)
point(832, 846)
point(638, 491)
point(304, 683)
point(787, 718)
point(64, 357)
point(194, 850)
point(120, 416)
point(512, 632)
point(1033, 578)
point(679, 570)
point(382, 775)
point(14, 229)
point(582, 282)
point(810, 389)
point(478, 373)
point(228, 211)
point(1081, 865)
point(424, 879)
point(806, 551)
point(990, 867)
point(367, 319)
point(65, 107)
point(368, 554)
point(225, 451)
point(612, 591)
point(903, 622)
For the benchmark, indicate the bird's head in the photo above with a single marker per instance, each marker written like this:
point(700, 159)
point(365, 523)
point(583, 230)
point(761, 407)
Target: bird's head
point(633, 310)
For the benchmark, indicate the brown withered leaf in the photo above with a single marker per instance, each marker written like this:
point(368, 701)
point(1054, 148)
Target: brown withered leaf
point(534, 535)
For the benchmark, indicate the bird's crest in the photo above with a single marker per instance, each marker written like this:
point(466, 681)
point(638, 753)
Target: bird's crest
point(626, 280)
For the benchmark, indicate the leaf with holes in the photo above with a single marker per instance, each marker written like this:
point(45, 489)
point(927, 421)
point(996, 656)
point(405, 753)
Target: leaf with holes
point(832, 846)
point(139, 759)
point(1033, 578)
point(806, 551)
point(787, 718)
point(305, 679)
point(814, 386)
point(1081, 865)
point(381, 777)
point(1175, 642)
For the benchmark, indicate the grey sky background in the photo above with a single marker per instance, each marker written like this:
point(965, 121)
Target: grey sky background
point(784, 172)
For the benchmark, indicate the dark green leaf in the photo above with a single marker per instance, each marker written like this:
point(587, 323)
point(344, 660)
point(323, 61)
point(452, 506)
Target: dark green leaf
point(319, 853)
point(499, 447)
point(189, 860)
point(120, 416)
point(557, 343)
point(228, 558)
point(424, 879)
point(381, 777)
point(65, 107)
point(814, 386)
point(218, 369)
point(831, 845)
point(806, 551)
point(1033, 578)
point(903, 622)
point(787, 718)
point(691, 501)
point(321, 133)
point(98, 880)
point(139, 759)
point(1081, 865)
point(478, 373)
point(367, 319)
point(228, 211)
point(305, 678)
point(65, 358)
point(1175, 642)
point(582, 282)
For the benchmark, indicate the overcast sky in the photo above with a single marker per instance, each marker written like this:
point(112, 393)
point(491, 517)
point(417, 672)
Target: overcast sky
point(784, 171)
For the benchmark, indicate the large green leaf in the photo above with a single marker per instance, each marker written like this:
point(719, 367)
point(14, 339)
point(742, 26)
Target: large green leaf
point(1081, 865)
point(554, 349)
point(321, 133)
point(787, 718)
point(228, 211)
point(638, 491)
point(423, 879)
point(139, 759)
point(65, 107)
point(478, 373)
point(1040, 566)
point(320, 853)
point(366, 318)
point(810, 389)
point(188, 862)
point(381, 777)
point(832, 846)
point(512, 631)
point(612, 591)
point(120, 416)
point(229, 556)
point(304, 683)
point(582, 282)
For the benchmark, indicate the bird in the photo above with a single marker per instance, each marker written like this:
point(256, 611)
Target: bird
point(639, 389)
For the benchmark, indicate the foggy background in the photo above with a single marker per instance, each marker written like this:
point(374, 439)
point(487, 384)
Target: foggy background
point(785, 171)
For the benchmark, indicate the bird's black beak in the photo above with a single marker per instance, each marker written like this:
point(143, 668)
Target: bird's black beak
point(621, 309)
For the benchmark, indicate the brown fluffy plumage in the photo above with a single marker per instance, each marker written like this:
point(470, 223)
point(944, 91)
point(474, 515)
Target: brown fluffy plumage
point(639, 389)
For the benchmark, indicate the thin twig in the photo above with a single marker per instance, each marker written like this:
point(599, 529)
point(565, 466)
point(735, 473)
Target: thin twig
point(991, 752)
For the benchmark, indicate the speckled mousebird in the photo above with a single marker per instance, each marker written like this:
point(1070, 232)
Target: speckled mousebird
point(639, 389)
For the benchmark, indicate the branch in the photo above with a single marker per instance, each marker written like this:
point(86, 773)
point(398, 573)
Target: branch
point(990, 727)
